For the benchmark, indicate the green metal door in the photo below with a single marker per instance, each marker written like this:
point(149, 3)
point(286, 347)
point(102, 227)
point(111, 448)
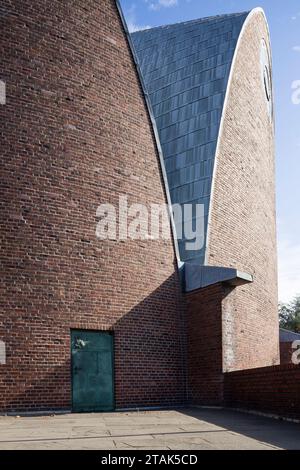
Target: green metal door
point(92, 371)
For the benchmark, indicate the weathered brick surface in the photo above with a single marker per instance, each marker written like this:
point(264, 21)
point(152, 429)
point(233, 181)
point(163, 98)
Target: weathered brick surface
point(286, 353)
point(75, 133)
point(204, 345)
point(242, 230)
point(269, 389)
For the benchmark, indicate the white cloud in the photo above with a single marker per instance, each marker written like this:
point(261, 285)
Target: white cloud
point(288, 270)
point(132, 26)
point(295, 17)
point(131, 21)
point(167, 3)
point(158, 4)
point(296, 48)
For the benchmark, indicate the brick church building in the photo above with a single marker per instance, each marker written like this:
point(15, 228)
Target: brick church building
point(180, 114)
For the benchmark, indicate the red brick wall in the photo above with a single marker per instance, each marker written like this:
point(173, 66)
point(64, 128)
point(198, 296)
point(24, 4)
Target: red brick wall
point(269, 389)
point(286, 352)
point(75, 133)
point(242, 226)
point(204, 345)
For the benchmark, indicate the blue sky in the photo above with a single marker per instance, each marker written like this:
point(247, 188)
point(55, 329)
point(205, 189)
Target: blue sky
point(284, 22)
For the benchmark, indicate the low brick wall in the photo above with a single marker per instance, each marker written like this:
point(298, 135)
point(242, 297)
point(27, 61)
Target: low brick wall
point(273, 389)
point(286, 352)
point(204, 343)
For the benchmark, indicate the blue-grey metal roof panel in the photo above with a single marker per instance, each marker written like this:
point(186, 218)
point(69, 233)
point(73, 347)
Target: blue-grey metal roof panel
point(287, 336)
point(186, 68)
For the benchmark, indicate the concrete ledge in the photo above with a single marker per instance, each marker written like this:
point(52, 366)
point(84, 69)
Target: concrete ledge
point(197, 277)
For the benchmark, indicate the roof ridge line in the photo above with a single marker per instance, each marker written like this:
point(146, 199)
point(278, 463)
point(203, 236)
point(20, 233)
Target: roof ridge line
point(196, 20)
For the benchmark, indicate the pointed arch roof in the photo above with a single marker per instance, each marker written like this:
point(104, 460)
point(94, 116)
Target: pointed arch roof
point(186, 68)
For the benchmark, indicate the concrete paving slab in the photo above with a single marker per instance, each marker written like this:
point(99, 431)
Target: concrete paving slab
point(186, 429)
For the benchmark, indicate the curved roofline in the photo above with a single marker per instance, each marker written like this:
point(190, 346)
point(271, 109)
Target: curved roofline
point(248, 18)
point(195, 20)
point(251, 14)
point(165, 183)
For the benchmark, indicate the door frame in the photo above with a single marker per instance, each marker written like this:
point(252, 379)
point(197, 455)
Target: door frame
point(110, 333)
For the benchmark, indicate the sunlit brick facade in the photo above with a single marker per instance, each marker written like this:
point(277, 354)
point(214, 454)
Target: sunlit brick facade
point(177, 114)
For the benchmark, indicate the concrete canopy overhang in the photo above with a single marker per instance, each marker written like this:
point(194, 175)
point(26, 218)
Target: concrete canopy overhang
point(197, 276)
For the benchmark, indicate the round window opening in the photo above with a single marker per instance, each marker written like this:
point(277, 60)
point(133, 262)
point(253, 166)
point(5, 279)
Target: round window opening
point(267, 83)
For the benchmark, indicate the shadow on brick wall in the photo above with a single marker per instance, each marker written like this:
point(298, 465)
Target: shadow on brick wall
point(149, 354)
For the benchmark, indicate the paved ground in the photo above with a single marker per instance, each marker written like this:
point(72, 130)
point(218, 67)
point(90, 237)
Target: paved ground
point(182, 429)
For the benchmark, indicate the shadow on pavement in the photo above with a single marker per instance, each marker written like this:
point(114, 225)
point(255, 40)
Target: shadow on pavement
point(279, 433)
